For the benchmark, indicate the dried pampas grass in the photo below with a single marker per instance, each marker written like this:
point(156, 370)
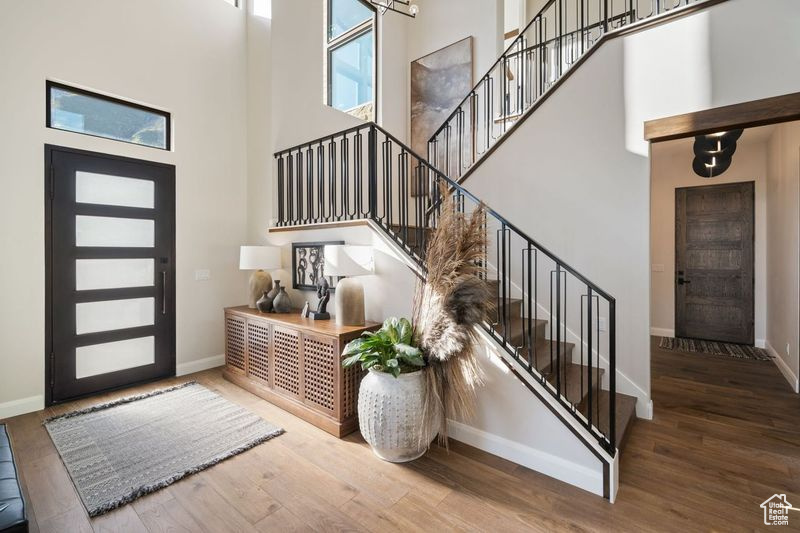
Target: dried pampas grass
point(449, 304)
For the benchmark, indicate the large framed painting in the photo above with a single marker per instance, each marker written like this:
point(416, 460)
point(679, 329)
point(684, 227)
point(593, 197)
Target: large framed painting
point(439, 82)
point(308, 265)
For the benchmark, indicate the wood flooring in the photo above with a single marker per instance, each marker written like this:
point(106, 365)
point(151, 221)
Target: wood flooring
point(724, 438)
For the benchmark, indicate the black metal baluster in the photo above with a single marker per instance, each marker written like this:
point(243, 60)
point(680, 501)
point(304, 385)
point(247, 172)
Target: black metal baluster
point(486, 117)
point(473, 122)
point(281, 214)
point(300, 195)
point(290, 180)
point(403, 193)
point(387, 182)
point(309, 184)
point(344, 147)
point(321, 182)
point(332, 178)
point(372, 155)
point(612, 372)
point(358, 176)
point(590, 304)
point(558, 327)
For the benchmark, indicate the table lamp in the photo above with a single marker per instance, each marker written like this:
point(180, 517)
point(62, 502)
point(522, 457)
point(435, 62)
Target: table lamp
point(349, 261)
point(258, 259)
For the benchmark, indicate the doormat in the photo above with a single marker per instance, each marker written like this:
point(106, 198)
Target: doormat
point(738, 351)
point(122, 450)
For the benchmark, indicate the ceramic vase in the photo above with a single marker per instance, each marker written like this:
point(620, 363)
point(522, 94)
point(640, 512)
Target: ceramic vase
point(264, 304)
point(282, 303)
point(390, 415)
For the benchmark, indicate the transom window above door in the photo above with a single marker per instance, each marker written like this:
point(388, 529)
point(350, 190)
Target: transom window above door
point(350, 57)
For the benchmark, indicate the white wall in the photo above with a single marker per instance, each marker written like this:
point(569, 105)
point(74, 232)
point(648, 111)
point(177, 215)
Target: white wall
point(184, 56)
point(783, 249)
point(671, 168)
point(584, 194)
point(442, 22)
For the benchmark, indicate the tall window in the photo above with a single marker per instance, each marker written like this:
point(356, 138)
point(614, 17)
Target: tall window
point(351, 57)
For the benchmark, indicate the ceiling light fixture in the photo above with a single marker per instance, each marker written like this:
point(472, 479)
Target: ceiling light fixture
point(714, 153)
point(404, 7)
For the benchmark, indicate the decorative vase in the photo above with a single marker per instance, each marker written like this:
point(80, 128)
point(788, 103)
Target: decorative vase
point(264, 304)
point(390, 415)
point(276, 288)
point(282, 303)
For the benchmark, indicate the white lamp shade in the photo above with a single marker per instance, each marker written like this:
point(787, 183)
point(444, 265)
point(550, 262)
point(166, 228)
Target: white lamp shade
point(345, 260)
point(259, 258)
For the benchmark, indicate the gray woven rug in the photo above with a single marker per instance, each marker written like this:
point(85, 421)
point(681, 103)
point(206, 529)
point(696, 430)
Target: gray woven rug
point(739, 351)
point(120, 451)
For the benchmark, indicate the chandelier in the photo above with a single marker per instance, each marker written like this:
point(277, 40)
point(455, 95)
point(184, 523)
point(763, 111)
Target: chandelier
point(404, 7)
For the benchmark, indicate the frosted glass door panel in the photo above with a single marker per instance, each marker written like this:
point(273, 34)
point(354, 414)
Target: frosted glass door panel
point(91, 274)
point(114, 232)
point(113, 356)
point(91, 188)
point(92, 317)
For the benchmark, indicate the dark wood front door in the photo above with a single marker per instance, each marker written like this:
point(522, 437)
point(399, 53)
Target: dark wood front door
point(110, 280)
point(714, 262)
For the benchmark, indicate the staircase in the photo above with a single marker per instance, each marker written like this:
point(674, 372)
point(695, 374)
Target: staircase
point(562, 35)
point(556, 329)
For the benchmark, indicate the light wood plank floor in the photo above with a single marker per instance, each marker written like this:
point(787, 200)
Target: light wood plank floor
point(725, 437)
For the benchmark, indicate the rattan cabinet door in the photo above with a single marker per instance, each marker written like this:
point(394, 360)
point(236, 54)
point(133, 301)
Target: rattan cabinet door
point(287, 361)
point(320, 370)
point(258, 359)
point(236, 343)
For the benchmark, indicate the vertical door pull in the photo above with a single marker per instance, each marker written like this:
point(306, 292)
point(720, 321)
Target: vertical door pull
point(163, 292)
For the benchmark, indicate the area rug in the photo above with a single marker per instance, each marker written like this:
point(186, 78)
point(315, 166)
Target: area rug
point(739, 351)
point(122, 450)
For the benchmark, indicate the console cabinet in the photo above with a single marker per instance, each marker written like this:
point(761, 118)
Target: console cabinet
point(295, 363)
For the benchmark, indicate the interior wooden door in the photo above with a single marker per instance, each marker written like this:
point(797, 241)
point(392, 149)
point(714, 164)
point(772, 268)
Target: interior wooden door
point(110, 282)
point(715, 263)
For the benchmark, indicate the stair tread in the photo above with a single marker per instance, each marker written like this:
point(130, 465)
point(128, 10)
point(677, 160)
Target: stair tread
point(575, 381)
point(543, 351)
point(625, 409)
point(518, 327)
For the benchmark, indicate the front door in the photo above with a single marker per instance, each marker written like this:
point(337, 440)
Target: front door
point(110, 247)
point(714, 262)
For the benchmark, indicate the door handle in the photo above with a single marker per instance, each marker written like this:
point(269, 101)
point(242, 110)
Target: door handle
point(163, 292)
point(682, 281)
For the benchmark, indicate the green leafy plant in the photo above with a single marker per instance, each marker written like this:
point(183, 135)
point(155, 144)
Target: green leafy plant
point(390, 349)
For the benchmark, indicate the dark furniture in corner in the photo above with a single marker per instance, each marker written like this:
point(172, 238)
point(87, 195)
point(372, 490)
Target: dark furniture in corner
point(13, 517)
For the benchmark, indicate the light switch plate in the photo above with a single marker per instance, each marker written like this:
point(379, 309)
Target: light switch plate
point(602, 324)
point(202, 275)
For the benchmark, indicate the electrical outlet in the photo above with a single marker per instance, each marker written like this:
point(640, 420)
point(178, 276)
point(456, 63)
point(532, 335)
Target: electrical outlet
point(658, 268)
point(202, 275)
point(602, 323)
point(787, 348)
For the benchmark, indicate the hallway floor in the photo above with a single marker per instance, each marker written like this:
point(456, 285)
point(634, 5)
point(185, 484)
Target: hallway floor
point(725, 437)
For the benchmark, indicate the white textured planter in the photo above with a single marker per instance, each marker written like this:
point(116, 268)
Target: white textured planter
point(390, 415)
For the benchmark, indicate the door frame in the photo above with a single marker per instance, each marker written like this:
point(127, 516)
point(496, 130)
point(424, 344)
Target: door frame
point(752, 199)
point(49, 178)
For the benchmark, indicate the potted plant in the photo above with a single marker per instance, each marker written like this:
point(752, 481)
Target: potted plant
point(392, 398)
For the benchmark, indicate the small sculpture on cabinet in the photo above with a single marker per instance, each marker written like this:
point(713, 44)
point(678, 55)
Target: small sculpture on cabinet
point(324, 295)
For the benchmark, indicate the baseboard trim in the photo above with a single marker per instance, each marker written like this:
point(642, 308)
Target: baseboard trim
point(550, 465)
point(21, 406)
point(191, 367)
point(794, 382)
point(662, 332)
